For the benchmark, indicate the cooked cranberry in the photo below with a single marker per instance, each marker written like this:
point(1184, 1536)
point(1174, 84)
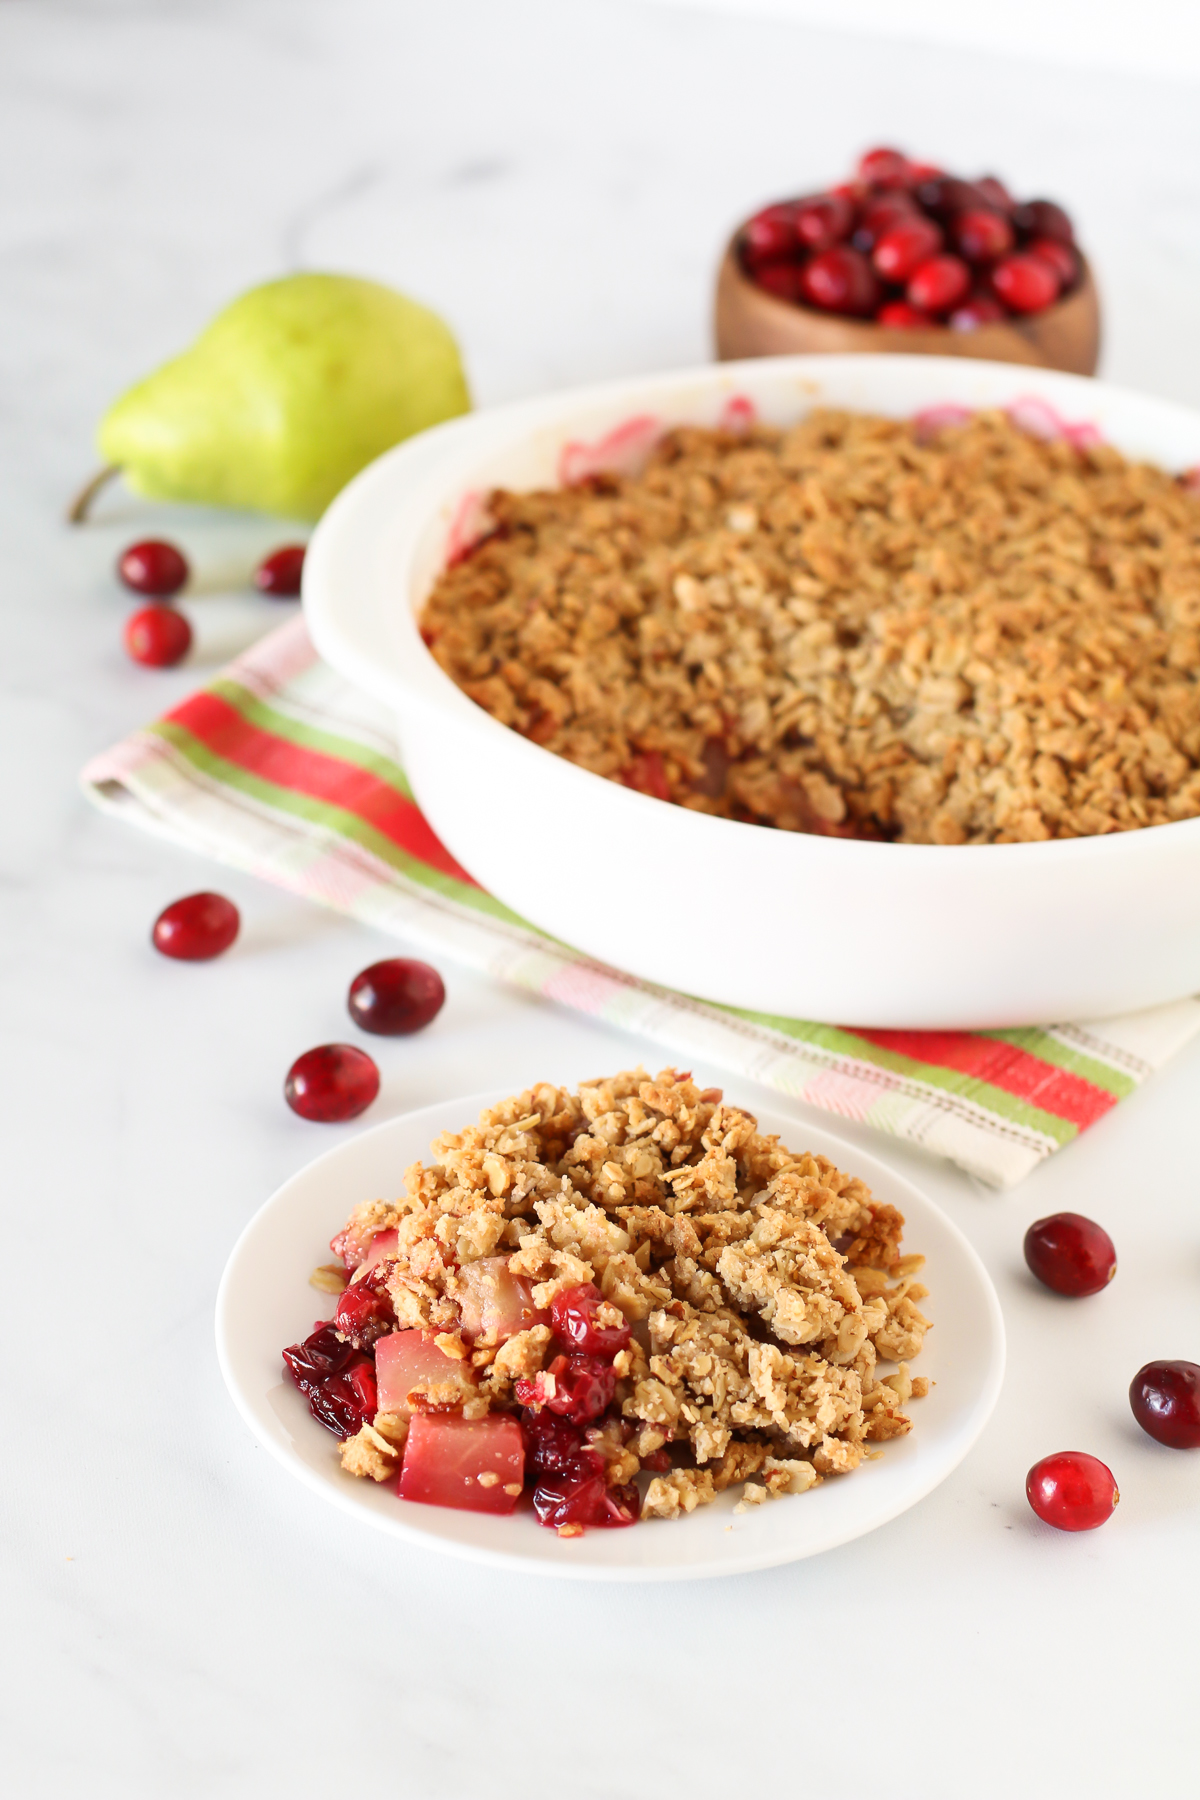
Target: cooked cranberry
point(1061, 257)
point(339, 1403)
point(898, 315)
point(322, 1354)
point(1026, 284)
point(364, 1313)
point(279, 574)
point(332, 1083)
point(907, 245)
point(573, 1311)
point(196, 928)
point(583, 1387)
point(1165, 1397)
point(780, 279)
point(939, 284)
point(981, 235)
point(840, 280)
point(995, 193)
point(157, 636)
point(1043, 218)
point(879, 216)
point(1071, 1491)
point(153, 567)
point(338, 1383)
point(976, 310)
point(551, 1443)
point(770, 235)
point(1070, 1254)
point(945, 195)
point(823, 220)
point(578, 1495)
point(884, 168)
point(648, 775)
point(396, 997)
point(717, 763)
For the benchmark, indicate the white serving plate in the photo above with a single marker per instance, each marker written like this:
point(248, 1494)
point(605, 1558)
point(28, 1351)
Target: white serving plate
point(777, 922)
point(265, 1302)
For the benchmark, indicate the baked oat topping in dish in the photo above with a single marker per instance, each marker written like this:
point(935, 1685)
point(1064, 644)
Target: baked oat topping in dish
point(623, 1300)
point(858, 627)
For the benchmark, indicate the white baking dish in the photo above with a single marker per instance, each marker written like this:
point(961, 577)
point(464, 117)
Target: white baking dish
point(778, 922)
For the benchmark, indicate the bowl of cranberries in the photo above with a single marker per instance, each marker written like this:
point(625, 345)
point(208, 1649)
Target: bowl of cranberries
point(905, 257)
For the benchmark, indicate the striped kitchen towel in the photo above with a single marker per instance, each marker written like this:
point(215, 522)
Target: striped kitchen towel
point(283, 769)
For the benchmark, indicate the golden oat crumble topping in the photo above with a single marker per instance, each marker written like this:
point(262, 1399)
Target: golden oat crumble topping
point(853, 629)
point(763, 1285)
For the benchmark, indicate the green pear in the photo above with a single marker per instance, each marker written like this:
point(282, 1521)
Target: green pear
point(289, 392)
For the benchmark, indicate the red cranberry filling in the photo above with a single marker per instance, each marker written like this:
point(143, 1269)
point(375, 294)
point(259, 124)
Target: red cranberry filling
point(573, 1311)
point(337, 1381)
point(364, 1313)
point(583, 1388)
point(578, 1495)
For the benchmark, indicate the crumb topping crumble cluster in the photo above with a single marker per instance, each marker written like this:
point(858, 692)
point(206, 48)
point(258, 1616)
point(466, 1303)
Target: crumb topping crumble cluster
point(741, 1296)
point(853, 627)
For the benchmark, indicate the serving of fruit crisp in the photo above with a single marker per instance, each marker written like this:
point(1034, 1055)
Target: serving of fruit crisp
point(627, 1281)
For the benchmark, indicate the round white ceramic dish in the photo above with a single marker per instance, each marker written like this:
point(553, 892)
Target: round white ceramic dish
point(776, 922)
point(265, 1302)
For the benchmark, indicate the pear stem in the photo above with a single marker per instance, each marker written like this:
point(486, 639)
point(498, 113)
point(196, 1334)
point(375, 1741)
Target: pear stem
point(78, 510)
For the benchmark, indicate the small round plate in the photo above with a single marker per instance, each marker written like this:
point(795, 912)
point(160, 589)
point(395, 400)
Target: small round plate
point(265, 1302)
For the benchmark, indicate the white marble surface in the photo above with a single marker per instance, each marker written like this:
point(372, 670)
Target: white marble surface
point(181, 1620)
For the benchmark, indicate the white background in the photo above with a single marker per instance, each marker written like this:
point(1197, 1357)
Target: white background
point(181, 1619)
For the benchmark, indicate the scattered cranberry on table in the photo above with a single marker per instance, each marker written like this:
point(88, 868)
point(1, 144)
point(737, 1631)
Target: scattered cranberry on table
point(1071, 1254)
point(153, 567)
point(902, 234)
point(396, 997)
point(1165, 1397)
point(331, 1084)
point(157, 636)
point(1072, 1491)
point(196, 928)
point(279, 574)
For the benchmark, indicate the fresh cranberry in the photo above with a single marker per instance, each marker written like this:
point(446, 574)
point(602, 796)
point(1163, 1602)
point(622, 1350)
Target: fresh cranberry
point(823, 220)
point(573, 1311)
point(279, 574)
point(981, 235)
point(1061, 257)
point(1043, 218)
point(900, 250)
point(884, 168)
point(332, 1083)
point(898, 315)
point(583, 1388)
point(157, 636)
point(879, 216)
point(1165, 1397)
point(551, 1443)
point(1070, 1254)
point(153, 567)
point(938, 285)
point(840, 280)
point(995, 193)
point(578, 1495)
point(395, 997)
point(770, 235)
point(780, 279)
point(1026, 284)
point(196, 928)
point(944, 195)
point(976, 310)
point(1071, 1491)
point(364, 1313)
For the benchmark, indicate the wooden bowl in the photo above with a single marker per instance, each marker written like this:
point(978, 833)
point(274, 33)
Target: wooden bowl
point(750, 322)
